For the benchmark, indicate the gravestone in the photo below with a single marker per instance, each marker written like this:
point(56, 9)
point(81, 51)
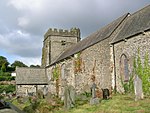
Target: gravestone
point(40, 94)
point(138, 88)
point(69, 97)
point(94, 100)
point(105, 93)
point(25, 99)
point(45, 90)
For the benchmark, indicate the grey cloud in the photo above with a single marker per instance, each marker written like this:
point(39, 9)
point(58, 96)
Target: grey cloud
point(88, 15)
point(21, 44)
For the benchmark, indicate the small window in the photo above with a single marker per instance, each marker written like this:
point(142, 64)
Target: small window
point(63, 43)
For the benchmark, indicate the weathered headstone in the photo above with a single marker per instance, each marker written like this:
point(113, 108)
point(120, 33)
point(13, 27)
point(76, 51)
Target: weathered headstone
point(138, 88)
point(94, 100)
point(40, 94)
point(45, 90)
point(69, 97)
point(105, 93)
point(26, 93)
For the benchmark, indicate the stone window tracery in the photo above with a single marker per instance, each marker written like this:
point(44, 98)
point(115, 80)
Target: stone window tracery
point(124, 71)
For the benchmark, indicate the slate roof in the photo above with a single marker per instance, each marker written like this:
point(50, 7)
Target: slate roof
point(94, 38)
point(137, 23)
point(32, 76)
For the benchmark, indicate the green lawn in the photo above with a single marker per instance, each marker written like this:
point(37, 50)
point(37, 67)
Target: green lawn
point(118, 104)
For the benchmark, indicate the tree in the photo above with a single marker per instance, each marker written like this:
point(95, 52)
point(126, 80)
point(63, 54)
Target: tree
point(3, 60)
point(19, 64)
point(3, 68)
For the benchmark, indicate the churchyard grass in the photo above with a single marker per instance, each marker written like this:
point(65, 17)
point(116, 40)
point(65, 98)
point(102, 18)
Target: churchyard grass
point(118, 104)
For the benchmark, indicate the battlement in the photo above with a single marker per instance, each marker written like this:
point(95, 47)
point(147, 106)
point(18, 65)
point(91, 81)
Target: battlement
point(60, 32)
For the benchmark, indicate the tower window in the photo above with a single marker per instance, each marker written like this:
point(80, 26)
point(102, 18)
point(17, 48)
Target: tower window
point(63, 42)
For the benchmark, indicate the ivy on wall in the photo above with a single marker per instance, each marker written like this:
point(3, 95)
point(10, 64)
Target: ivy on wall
point(56, 72)
point(77, 63)
point(143, 71)
point(56, 75)
point(128, 86)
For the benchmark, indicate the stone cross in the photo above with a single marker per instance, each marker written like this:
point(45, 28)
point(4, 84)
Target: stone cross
point(93, 90)
point(94, 99)
point(69, 97)
point(138, 88)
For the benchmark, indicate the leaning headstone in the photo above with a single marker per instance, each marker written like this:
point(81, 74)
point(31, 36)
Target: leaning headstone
point(94, 100)
point(69, 97)
point(138, 88)
point(72, 95)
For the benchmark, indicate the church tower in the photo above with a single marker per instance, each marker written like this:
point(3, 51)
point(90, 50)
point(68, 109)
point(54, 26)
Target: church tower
point(56, 42)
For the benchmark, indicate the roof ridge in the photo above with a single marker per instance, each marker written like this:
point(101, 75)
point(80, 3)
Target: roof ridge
point(136, 23)
point(140, 10)
point(101, 34)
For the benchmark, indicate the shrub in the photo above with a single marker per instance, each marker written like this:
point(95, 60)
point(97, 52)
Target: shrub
point(4, 73)
point(6, 78)
point(7, 88)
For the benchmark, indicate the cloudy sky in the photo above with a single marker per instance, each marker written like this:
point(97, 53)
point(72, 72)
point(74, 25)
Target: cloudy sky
point(24, 22)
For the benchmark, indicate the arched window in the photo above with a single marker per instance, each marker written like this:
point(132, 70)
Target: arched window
point(124, 71)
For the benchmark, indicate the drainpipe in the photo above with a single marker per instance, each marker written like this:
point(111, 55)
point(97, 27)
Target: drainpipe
point(115, 88)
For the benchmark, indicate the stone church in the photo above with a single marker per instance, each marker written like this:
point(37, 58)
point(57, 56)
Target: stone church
point(105, 57)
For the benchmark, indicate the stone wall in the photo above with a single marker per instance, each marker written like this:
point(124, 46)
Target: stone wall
point(129, 48)
point(51, 82)
point(45, 53)
point(25, 90)
point(57, 41)
point(59, 45)
point(95, 62)
point(66, 76)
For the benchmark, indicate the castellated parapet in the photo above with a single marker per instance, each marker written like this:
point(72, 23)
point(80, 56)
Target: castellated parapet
point(73, 32)
point(56, 41)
